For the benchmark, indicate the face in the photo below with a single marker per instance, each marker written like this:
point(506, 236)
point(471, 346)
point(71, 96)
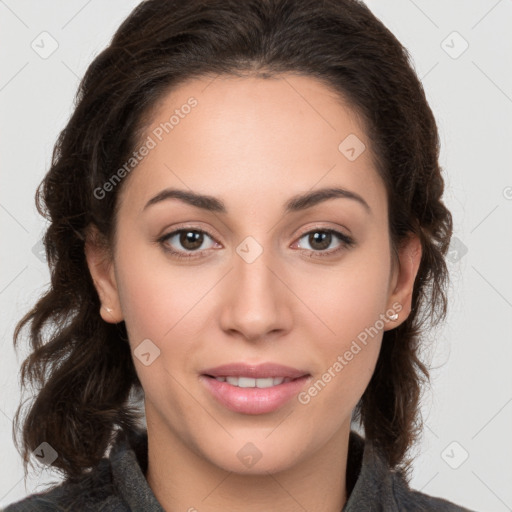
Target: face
point(255, 279)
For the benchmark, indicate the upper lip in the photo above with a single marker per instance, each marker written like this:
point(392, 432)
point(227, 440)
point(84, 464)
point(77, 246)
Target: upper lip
point(256, 371)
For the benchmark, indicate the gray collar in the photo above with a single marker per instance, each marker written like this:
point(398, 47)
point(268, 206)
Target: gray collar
point(369, 481)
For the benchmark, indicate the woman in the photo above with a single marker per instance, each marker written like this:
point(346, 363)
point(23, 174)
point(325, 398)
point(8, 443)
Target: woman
point(247, 230)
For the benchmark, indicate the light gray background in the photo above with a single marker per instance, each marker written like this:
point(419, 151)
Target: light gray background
point(471, 95)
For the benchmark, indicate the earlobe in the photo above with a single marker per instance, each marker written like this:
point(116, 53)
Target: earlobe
point(101, 268)
point(400, 300)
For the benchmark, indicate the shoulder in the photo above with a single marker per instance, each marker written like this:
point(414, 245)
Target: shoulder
point(92, 492)
point(415, 501)
point(116, 484)
point(376, 487)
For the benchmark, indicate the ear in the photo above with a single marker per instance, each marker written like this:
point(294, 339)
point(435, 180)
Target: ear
point(100, 263)
point(402, 282)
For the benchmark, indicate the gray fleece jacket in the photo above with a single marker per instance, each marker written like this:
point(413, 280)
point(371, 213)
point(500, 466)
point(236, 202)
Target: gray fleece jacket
point(118, 484)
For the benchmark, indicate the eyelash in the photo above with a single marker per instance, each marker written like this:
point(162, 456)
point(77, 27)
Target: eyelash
point(346, 242)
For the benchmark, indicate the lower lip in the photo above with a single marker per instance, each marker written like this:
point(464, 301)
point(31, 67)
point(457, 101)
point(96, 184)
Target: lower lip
point(253, 400)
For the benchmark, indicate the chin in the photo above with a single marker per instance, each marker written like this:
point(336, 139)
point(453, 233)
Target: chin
point(259, 457)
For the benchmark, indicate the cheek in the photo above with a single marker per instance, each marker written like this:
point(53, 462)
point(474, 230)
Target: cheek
point(164, 303)
point(346, 359)
point(351, 296)
point(157, 295)
point(351, 301)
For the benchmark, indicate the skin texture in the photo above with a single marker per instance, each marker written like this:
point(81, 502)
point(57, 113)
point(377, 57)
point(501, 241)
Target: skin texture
point(253, 143)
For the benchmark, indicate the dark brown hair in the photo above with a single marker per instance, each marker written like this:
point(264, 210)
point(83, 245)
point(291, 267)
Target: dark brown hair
point(81, 366)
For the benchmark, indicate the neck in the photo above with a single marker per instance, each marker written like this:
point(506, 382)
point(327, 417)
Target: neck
point(184, 481)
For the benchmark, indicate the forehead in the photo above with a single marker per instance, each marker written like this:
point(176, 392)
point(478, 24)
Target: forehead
point(245, 137)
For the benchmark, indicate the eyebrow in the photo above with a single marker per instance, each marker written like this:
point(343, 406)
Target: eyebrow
point(296, 203)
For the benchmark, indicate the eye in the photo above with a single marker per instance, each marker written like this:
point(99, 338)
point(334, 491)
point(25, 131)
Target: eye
point(320, 239)
point(189, 239)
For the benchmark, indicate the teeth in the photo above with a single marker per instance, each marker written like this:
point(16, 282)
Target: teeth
point(249, 382)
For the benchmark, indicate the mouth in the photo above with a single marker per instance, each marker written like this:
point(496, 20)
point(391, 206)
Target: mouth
point(253, 389)
point(251, 382)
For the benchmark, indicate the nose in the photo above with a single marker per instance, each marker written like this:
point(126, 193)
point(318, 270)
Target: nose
point(256, 302)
